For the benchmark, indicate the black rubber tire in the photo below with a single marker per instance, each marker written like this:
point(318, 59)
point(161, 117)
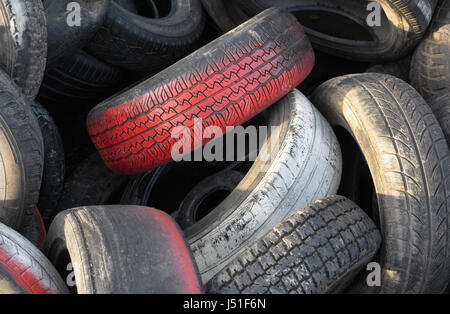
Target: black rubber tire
point(24, 269)
point(54, 165)
point(24, 43)
point(224, 181)
point(122, 249)
point(137, 43)
point(430, 67)
point(408, 21)
point(21, 157)
point(36, 232)
point(440, 106)
point(64, 40)
point(92, 183)
point(80, 79)
point(320, 249)
point(408, 160)
point(226, 15)
point(400, 69)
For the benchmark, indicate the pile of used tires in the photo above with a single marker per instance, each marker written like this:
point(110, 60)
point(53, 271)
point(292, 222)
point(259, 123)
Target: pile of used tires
point(110, 109)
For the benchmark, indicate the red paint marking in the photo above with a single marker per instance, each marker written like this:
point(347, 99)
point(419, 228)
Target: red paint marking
point(180, 254)
point(41, 230)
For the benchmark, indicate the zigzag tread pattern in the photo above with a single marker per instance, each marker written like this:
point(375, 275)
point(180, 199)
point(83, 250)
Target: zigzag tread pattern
point(243, 77)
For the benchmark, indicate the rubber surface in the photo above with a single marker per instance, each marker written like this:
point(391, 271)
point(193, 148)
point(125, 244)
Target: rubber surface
point(54, 165)
point(317, 250)
point(24, 269)
point(400, 69)
point(92, 183)
point(430, 67)
point(79, 80)
point(136, 42)
point(225, 83)
point(64, 39)
point(24, 43)
point(299, 163)
point(440, 105)
point(36, 232)
point(408, 159)
point(21, 157)
point(402, 25)
point(145, 248)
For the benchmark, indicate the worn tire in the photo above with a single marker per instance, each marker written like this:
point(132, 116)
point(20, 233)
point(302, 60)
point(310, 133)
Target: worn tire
point(394, 38)
point(430, 67)
point(54, 165)
point(223, 181)
point(145, 249)
point(320, 249)
point(408, 160)
point(306, 166)
point(36, 232)
point(24, 269)
point(225, 83)
point(92, 183)
point(226, 15)
point(440, 106)
point(79, 80)
point(138, 43)
point(400, 69)
point(21, 157)
point(63, 39)
point(24, 43)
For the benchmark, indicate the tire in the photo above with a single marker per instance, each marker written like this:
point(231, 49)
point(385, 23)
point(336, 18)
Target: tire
point(136, 43)
point(36, 232)
point(399, 69)
point(440, 106)
point(222, 182)
point(317, 250)
point(24, 269)
point(145, 249)
point(92, 183)
point(430, 67)
point(306, 167)
point(21, 157)
point(64, 39)
point(80, 80)
point(226, 16)
point(282, 58)
point(408, 160)
point(54, 165)
point(355, 39)
point(24, 43)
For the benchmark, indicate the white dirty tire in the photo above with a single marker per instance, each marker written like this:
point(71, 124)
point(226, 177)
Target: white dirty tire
point(306, 167)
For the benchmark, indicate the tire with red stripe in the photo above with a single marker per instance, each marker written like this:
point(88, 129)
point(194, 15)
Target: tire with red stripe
point(121, 249)
point(225, 83)
point(24, 269)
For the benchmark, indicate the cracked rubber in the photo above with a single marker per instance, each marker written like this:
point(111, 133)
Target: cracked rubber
point(430, 67)
point(137, 43)
point(320, 249)
point(394, 38)
point(225, 83)
point(92, 183)
point(64, 40)
point(306, 166)
point(440, 105)
point(24, 269)
point(122, 250)
point(54, 165)
point(21, 157)
point(408, 159)
point(24, 43)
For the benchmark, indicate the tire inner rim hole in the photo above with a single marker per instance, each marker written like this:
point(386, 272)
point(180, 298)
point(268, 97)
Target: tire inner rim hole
point(325, 21)
point(210, 201)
